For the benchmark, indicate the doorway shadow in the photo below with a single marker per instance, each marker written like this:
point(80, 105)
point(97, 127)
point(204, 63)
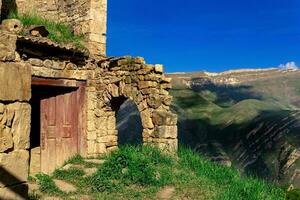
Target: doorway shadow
point(129, 123)
point(7, 7)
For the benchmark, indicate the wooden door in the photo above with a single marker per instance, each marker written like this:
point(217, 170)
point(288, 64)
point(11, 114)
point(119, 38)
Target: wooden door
point(59, 129)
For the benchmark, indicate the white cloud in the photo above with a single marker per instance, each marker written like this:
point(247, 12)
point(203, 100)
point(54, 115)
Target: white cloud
point(289, 66)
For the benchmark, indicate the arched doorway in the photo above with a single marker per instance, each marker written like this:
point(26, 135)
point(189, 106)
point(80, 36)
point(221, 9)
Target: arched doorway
point(129, 124)
point(128, 121)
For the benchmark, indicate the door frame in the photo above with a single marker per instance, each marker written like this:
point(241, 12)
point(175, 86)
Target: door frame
point(82, 123)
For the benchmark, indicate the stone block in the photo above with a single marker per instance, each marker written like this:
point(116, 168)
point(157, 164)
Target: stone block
point(166, 86)
point(154, 101)
point(35, 62)
point(139, 60)
point(168, 100)
point(111, 123)
point(14, 26)
point(6, 139)
point(15, 81)
point(166, 132)
point(21, 124)
point(161, 118)
point(91, 135)
point(35, 161)
point(147, 84)
point(166, 80)
point(159, 68)
point(15, 192)
point(146, 119)
point(95, 148)
point(107, 139)
point(14, 167)
point(7, 47)
point(113, 90)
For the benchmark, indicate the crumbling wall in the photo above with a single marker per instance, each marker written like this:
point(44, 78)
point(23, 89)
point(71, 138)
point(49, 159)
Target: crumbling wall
point(147, 86)
point(15, 111)
point(84, 16)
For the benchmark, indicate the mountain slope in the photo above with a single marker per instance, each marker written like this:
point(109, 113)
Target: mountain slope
point(249, 119)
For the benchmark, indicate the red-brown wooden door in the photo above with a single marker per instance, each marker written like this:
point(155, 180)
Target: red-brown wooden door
point(59, 130)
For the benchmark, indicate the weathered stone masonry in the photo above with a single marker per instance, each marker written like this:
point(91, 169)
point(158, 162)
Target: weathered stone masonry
point(86, 17)
point(109, 82)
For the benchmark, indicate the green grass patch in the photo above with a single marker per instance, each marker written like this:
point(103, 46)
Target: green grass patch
point(140, 172)
point(68, 175)
point(145, 166)
point(58, 32)
point(231, 184)
point(47, 185)
point(75, 160)
point(293, 194)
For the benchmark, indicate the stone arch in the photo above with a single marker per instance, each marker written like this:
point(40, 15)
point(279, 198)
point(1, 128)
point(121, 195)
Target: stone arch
point(147, 86)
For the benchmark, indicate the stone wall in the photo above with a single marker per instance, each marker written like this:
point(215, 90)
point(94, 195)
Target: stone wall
point(109, 83)
point(15, 113)
point(84, 16)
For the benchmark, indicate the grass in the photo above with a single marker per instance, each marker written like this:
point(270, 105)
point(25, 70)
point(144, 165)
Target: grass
point(47, 185)
point(136, 172)
point(58, 32)
point(69, 174)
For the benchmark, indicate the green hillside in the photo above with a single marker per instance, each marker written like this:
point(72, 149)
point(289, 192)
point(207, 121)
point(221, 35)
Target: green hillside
point(253, 125)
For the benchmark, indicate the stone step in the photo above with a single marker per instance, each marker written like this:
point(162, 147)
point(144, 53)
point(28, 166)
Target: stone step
point(64, 186)
point(95, 161)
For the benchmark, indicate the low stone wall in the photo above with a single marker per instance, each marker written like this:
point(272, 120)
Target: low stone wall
point(15, 113)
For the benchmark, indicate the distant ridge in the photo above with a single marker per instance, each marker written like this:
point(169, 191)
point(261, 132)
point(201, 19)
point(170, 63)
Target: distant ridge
point(234, 71)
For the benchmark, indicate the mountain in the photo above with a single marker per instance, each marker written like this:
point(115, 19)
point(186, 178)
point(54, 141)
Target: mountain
point(246, 118)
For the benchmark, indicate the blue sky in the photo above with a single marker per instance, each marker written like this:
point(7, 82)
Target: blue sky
point(211, 35)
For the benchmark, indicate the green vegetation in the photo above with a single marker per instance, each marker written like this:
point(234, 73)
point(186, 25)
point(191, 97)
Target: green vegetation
point(244, 125)
point(77, 159)
point(293, 194)
point(142, 173)
point(58, 32)
point(69, 174)
point(47, 185)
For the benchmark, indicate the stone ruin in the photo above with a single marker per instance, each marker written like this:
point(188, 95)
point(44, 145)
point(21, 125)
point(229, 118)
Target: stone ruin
point(57, 101)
